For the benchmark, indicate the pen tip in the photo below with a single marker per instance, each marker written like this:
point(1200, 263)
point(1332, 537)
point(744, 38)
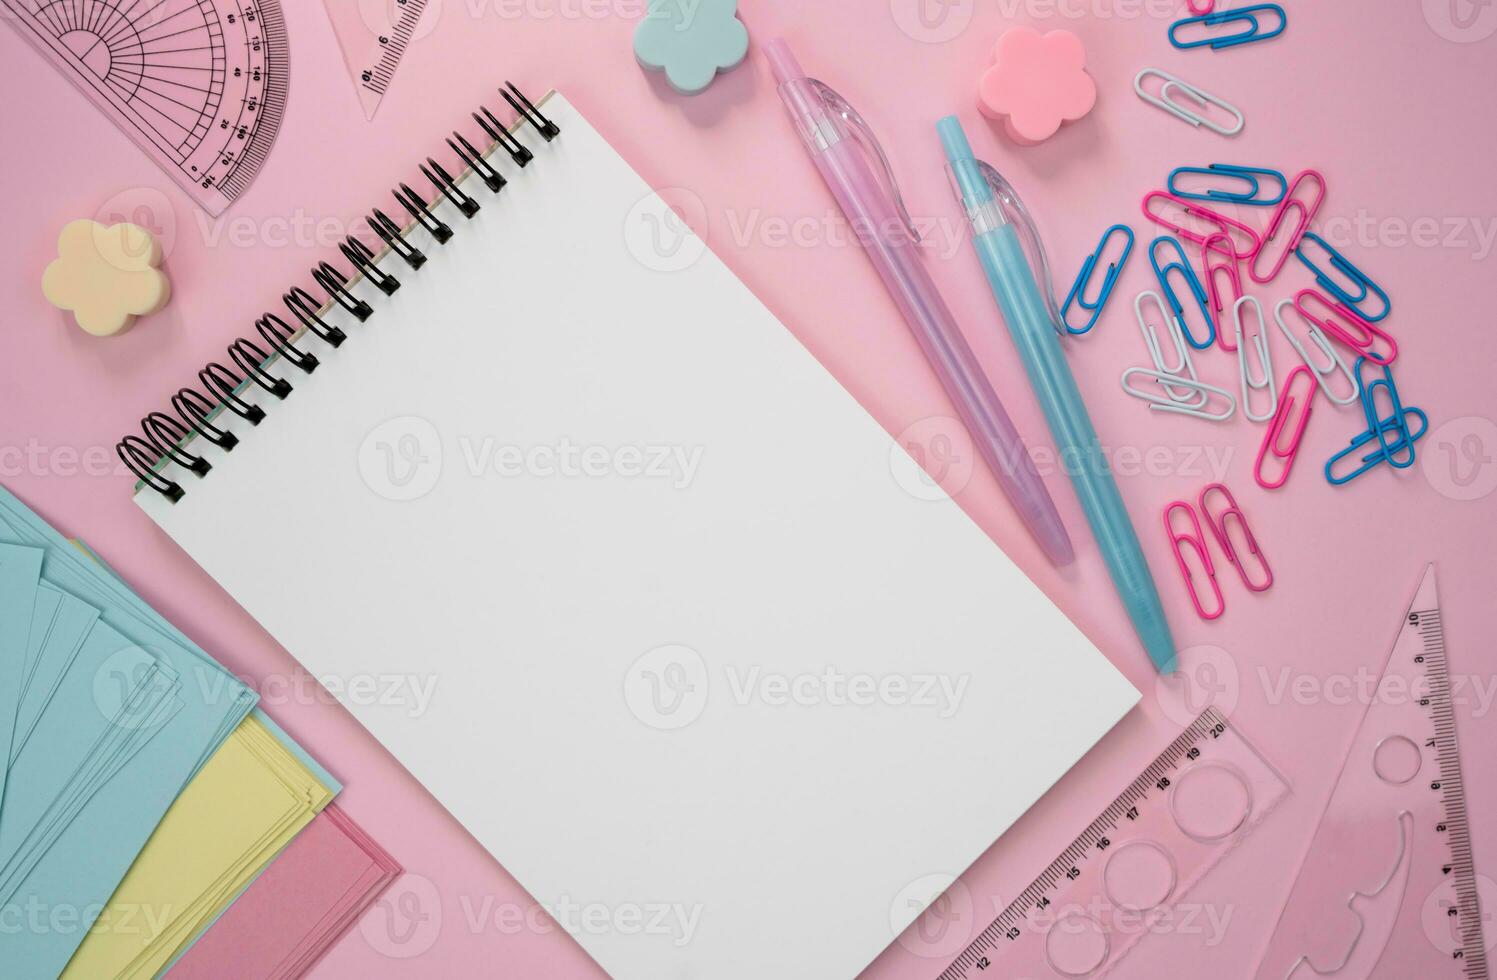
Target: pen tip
point(953, 138)
point(782, 61)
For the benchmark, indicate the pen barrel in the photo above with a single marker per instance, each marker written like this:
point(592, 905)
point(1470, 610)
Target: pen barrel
point(1035, 338)
point(879, 227)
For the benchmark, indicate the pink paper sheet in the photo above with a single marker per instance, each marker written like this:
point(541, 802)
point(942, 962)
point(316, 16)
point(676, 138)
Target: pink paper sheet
point(294, 912)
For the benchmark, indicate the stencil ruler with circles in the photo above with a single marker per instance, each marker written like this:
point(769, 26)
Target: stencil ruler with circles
point(200, 85)
point(1389, 889)
point(1125, 875)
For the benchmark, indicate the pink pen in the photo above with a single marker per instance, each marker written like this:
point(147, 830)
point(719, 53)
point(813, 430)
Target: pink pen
point(839, 142)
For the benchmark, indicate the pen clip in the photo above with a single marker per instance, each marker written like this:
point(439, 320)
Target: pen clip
point(863, 133)
point(1011, 211)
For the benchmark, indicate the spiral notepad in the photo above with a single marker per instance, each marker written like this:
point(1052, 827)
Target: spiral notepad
point(673, 637)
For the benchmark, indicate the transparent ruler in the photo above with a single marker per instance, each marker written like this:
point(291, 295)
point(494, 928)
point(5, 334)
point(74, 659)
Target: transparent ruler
point(199, 85)
point(374, 35)
point(1131, 868)
point(1388, 889)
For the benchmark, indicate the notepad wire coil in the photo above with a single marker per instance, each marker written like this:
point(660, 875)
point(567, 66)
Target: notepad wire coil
point(164, 438)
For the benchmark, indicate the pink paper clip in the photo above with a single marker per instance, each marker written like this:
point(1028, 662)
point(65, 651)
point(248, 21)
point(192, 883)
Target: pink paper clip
point(1198, 543)
point(1224, 225)
point(1306, 212)
point(1220, 525)
point(1226, 263)
point(1366, 334)
point(1200, 7)
point(1287, 402)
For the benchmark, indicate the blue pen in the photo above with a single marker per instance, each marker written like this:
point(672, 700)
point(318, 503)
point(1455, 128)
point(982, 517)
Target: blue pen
point(1002, 232)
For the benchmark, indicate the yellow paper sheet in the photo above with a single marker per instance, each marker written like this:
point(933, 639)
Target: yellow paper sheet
point(246, 803)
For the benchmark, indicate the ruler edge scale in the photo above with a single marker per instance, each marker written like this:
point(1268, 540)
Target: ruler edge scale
point(371, 95)
point(1177, 747)
point(1444, 709)
point(1473, 967)
point(222, 195)
point(273, 107)
point(1446, 705)
point(397, 46)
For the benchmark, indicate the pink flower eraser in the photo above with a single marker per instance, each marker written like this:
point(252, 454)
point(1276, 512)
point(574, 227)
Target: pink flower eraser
point(1037, 82)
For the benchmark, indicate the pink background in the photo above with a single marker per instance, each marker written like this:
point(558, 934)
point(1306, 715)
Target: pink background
point(1386, 98)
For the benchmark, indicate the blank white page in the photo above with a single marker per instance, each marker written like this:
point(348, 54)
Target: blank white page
point(650, 673)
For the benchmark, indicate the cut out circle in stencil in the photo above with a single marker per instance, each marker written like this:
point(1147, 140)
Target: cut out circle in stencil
point(1211, 801)
point(1396, 759)
point(1076, 945)
point(1139, 876)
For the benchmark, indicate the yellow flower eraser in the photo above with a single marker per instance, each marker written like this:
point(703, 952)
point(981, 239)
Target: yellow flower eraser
point(106, 275)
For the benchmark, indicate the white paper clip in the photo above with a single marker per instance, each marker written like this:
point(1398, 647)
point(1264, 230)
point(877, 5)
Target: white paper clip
point(1262, 379)
point(1166, 403)
point(1184, 367)
point(1188, 91)
point(1323, 370)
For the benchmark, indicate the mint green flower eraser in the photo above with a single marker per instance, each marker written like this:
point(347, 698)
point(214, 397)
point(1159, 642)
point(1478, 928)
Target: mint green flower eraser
point(691, 41)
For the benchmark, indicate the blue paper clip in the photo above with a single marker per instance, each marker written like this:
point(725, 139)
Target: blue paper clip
point(1248, 175)
point(1191, 280)
point(1397, 451)
point(1359, 280)
point(1393, 421)
point(1373, 459)
point(1078, 288)
point(1246, 15)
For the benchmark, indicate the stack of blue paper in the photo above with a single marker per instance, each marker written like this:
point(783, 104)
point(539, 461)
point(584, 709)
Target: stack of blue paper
point(106, 712)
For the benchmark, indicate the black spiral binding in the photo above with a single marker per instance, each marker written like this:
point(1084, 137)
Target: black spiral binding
point(437, 175)
point(300, 302)
point(390, 232)
point(491, 178)
point(417, 209)
point(164, 437)
point(362, 257)
point(495, 131)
